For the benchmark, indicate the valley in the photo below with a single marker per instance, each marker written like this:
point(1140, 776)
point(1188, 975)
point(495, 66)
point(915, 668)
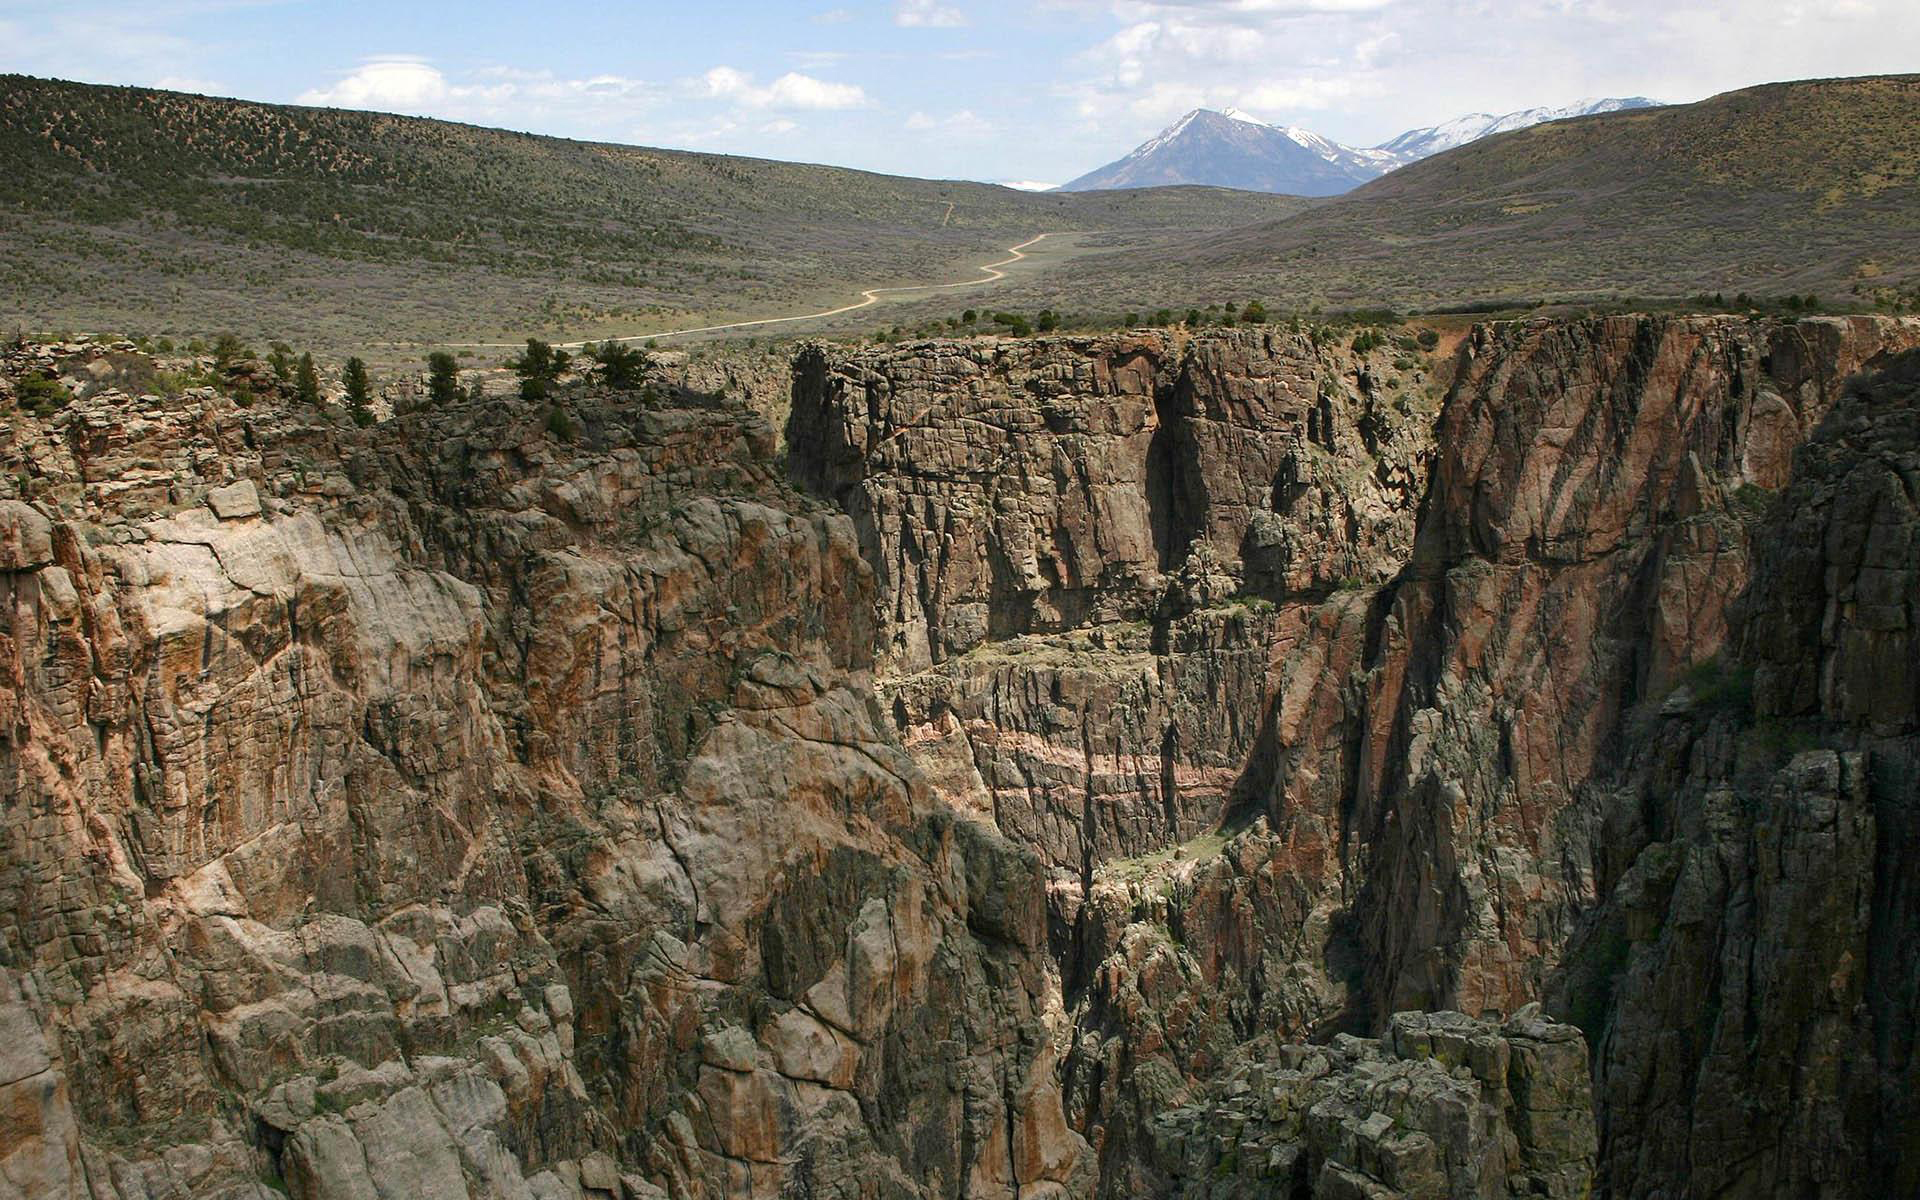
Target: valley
point(1053, 738)
point(539, 669)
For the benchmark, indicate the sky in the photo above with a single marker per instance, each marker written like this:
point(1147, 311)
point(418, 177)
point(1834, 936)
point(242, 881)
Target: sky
point(1034, 91)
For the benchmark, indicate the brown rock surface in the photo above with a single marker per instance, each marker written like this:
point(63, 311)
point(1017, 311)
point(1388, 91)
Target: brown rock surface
point(455, 808)
point(1344, 766)
point(1441, 1105)
point(1759, 932)
point(490, 815)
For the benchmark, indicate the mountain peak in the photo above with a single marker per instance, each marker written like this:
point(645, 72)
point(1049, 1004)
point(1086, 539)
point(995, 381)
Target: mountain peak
point(1227, 148)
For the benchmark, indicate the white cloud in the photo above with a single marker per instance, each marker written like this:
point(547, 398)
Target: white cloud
point(602, 106)
point(965, 123)
point(188, 83)
point(141, 44)
point(1255, 9)
point(813, 60)
point(791, 91)
point(1028, 185)
point(928, 14)
point(832, 16)
point(408, 84)
point(1363, 70)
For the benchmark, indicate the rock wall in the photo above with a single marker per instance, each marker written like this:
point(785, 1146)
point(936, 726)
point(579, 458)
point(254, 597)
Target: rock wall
point(455, 809)
point(1440, 1105)
point(1135, 765)
point(1759, 930)
point(1307, 685)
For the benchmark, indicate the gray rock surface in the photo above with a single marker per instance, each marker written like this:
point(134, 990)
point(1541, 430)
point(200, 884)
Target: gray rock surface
point(1441, 1105)
point(482, 814)
point(1111, 754)
point(1306, 681)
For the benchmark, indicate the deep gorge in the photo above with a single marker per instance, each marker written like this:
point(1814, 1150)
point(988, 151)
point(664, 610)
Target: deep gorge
point(1225, 764)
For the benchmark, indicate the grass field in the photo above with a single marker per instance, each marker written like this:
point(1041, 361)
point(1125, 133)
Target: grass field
point(133, 209)
point(153, 212)
point(1797, 188)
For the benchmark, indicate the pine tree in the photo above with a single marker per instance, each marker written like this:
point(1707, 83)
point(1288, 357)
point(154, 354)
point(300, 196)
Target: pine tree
point(621, 367)
point(306, 382)
point(539, 368)
point(359, 393)
point(443, 378)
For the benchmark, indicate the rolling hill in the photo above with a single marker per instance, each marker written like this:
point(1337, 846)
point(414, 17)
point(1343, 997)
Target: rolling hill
point(1798, 187)
point(1230, 149)
point(144, 211)
point(134, 209)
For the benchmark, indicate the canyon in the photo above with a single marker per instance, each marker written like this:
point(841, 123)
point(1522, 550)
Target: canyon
point(1261, 761)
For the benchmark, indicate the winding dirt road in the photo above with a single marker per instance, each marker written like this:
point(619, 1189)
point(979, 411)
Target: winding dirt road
point(991, 273)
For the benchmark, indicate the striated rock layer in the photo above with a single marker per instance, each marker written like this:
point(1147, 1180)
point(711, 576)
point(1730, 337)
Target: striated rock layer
point(1258, 761)
point(450, 809)
point(1314, 690)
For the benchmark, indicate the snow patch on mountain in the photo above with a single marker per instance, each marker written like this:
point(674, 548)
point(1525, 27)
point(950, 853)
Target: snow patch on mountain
point(1228, 148)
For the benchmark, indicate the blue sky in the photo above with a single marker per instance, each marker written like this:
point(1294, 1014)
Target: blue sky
point(1039, 90)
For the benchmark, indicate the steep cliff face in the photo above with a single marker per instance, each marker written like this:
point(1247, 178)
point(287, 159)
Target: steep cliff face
point(454, 809)
point(1308, 697)
point(1759, 933)
point(1136, 765)
point(1078, 546)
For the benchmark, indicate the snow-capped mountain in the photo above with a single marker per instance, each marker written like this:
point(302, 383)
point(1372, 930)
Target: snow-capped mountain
point(1230, 149)
point(1416, 144)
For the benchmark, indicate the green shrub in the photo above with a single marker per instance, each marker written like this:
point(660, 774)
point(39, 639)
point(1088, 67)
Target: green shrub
point(620, 366)
point(306, 382)
point(539, 367)
point(41, 394)
point(228, 349)
point(1720, 686)
point(1784, 739)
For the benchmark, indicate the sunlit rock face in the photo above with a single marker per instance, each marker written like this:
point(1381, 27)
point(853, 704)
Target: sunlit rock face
point(1047, 755)
point(453, 809)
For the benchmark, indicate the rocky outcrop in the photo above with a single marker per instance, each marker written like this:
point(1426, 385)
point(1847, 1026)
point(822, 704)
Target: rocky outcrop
point(1384, 661)
point(1014, 488)
point(1441, 1105)
point(1121, 766)
point(451, 809)
point(1079, 544)
point(1757, 933)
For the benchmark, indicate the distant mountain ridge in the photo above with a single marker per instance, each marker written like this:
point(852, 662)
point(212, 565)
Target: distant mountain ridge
point(1226, 148)
point(292, 217)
